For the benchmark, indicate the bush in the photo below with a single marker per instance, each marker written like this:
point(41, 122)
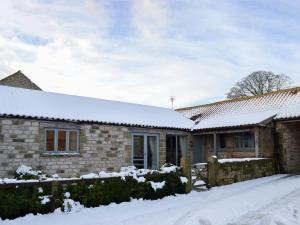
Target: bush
point(102, 192)
point(27, 173)
point(19, 200)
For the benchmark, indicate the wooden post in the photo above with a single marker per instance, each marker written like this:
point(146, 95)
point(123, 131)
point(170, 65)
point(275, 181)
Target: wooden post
point(186, 170)
point(256, 142)
point(212, 170)
point(54, 192)
point(215, 145)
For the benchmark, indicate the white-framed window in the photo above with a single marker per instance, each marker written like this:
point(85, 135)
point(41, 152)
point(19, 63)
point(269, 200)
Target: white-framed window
point(244, 141)
point(61, 140)
point(145, 150)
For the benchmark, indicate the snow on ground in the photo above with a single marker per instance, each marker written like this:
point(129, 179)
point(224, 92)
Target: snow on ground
point(271, 200)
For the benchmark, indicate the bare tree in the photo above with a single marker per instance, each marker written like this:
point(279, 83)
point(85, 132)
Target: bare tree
point(259, 82)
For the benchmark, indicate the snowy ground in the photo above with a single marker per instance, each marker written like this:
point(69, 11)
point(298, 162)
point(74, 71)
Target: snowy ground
point(272, 200)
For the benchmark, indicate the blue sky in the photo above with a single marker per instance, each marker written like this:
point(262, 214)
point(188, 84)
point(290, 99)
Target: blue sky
point(144, 51)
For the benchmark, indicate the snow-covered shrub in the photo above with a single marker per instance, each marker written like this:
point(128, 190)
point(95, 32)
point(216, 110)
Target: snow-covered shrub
point(22, 199)
point(90, 191)
point(27, 173)
point(149, 185)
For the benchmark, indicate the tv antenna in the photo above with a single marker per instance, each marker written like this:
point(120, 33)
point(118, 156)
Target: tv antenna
point(172, 99)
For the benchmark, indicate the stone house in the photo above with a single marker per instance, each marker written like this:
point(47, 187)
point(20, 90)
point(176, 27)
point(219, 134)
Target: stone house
point(267, 125)
point(73, 135)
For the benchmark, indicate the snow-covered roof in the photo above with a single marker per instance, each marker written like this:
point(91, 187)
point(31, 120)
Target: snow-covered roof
point(232, 120)
point(46, 105)
point(284, 104)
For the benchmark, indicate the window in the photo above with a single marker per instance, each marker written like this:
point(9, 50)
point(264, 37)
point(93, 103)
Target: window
point(244, 141)
point(145, 150)
point(222, 138)
point(175, 149)
point(61, 141)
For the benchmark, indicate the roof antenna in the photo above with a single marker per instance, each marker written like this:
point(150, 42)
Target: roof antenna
point(172, 99)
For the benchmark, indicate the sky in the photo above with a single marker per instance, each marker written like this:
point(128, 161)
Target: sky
point(145, 51)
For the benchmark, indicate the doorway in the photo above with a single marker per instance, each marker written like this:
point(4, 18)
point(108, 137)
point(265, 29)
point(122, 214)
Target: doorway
point(145, 151)
point(176, 148)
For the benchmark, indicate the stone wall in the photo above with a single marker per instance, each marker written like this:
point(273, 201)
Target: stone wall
point(288, 141)
point(232, 172)
point(266, 148)
point(18, 79)
point(102, 147)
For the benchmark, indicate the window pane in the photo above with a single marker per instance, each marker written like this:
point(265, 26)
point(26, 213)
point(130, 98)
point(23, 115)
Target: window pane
point(248, 140)
point(73, 141)
point(238, 141)
point(50, 134)
point(62, 136)
point(171, 150)
point(138, 151)
point(152, 154)
point(222, 141)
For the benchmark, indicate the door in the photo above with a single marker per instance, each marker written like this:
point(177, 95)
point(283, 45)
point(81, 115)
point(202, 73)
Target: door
point(145, 151)
point(198, 149)
point(176, 148)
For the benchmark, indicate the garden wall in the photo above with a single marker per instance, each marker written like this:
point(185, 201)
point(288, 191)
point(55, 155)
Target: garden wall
point(228, 171)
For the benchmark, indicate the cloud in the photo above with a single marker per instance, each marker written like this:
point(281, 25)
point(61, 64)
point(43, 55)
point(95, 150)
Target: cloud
point(145, 51)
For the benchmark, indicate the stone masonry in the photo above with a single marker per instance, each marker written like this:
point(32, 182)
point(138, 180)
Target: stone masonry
point(288, 141)
point(102, 147)
point(18, 79)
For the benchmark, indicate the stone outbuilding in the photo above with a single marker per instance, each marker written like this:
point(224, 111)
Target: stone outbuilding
point(265, 126)
point(72, 135)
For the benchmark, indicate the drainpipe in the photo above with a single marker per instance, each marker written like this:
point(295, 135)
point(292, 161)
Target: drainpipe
point(215, 145)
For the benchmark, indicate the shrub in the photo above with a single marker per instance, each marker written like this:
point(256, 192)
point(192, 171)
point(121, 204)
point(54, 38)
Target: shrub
point(27, 173)
point(20, 200)
point(23, 198)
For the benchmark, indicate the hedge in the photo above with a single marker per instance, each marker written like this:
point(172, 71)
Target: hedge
point(24, 198)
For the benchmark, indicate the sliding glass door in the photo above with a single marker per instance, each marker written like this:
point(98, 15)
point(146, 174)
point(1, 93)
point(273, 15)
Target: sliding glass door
point(175, 149)
point(145, 150)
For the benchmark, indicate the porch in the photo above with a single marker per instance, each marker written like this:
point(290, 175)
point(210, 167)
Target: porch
point(235, 143)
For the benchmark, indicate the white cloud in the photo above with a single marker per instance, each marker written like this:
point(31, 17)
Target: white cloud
point(193, 50)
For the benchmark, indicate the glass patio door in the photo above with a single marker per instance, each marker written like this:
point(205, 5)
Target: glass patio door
point(145, 151)
point(176, 148)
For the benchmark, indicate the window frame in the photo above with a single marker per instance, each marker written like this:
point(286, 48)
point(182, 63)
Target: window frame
point(185, 155)
point(145, 147)
point(56, 151)
point(225, 141)
point(242, 147)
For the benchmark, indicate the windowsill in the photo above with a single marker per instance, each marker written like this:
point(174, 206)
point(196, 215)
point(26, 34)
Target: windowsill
point(236, 150)
point(224, 149)
point(65, 154)
point(245, 150)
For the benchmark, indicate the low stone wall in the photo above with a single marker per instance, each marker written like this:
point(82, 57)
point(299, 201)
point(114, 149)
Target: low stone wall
point(231, 172)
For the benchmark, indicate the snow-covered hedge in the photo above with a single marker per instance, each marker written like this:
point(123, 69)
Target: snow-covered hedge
point(46, 194)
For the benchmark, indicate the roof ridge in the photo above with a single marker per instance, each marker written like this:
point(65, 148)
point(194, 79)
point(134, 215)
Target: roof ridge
point(297, 89)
